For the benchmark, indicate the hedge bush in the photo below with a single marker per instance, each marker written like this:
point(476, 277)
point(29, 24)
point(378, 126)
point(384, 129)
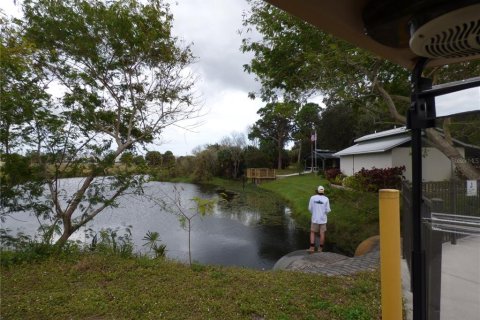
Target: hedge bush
point(374, 179)
point(334, 175)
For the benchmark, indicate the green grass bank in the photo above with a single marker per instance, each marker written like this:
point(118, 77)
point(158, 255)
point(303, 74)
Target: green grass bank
point(354, 215)
point(97, 286)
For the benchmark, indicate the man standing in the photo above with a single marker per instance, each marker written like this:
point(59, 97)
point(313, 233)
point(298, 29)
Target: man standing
point(319, 207)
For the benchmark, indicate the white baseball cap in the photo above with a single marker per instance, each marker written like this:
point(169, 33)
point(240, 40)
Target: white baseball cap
point(320, 189)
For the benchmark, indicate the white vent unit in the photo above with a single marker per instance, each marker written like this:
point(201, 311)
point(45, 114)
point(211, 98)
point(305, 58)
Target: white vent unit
point(452, 35)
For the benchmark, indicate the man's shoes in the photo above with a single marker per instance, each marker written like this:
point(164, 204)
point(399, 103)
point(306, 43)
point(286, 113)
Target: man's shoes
point(311, 250)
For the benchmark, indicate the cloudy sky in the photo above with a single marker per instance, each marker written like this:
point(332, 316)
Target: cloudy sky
point(211, 26)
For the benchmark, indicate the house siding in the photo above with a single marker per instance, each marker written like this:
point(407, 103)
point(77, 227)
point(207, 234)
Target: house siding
point(390, 149)
point(353, 163)
point(436, 166)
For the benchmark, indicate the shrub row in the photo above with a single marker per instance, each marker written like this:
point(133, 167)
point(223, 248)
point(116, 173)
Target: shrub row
point(370, 180)
point(334, 175)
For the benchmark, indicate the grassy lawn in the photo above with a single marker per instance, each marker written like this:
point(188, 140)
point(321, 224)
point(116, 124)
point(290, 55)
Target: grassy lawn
point(354, 215)
point(96, 286)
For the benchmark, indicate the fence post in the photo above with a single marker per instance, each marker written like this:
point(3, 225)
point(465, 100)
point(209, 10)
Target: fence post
point(434, 271)
point(391, 287)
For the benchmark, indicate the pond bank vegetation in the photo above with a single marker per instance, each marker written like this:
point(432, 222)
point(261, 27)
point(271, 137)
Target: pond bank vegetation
point(84, 283)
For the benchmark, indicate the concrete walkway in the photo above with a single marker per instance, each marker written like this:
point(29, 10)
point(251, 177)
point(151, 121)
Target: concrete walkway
point(328, 263)
point(279, 176)
point(460, 290)
point(460, 282)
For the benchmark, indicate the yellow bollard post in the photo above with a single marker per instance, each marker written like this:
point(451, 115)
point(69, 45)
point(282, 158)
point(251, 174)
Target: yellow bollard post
point(391, 285)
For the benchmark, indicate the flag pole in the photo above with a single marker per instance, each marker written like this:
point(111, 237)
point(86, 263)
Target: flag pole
point(311, 152)
point(316, 164)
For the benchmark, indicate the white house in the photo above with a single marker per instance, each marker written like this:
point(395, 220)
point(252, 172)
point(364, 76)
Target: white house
point(391, 148)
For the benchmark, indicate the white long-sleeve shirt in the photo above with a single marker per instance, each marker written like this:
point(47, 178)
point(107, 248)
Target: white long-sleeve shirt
point(319, 206)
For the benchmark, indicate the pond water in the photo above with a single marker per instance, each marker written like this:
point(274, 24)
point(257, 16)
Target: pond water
point(251, 230)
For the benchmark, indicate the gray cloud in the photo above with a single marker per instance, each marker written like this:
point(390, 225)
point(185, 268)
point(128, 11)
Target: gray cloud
point(212, 27)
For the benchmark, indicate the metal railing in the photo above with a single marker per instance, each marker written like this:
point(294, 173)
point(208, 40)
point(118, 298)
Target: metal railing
point(258, 175)
point(447, 213)
point(431, 246)
point(452, 197)
point(452, 223)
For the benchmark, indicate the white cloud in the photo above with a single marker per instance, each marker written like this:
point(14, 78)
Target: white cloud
point(8, 7)
point(212, 26)
point(230, 110)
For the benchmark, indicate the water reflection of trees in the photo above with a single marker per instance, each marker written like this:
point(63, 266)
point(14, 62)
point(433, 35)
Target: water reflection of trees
point(279, 234)
point(254, 209)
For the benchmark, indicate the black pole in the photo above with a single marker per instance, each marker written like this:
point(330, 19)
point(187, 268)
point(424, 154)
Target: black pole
point(418, 255)
point(417, 121)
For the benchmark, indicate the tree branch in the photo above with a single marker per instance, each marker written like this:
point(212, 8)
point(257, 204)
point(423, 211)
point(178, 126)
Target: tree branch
point(401, 98)
point(453, 154)
point(390, 104)
point(88, 217)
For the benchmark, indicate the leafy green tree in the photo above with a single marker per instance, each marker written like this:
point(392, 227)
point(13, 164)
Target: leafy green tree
point(119, 77)
point(256, 158)
point(294, 60)
point(127, 159)
point(206, 163)
point(231, 153)
point(139, 160)
point(276, 124)
point(153, 158)
point(342, 116)
point(224, 158)
point(25, 120)
point(307, 120)
point(185, 166)
point(168, 162)
point(168, 159)
point(22, 94)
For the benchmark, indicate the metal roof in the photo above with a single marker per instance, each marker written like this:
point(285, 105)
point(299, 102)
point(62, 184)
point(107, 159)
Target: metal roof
point(325, 154)
point(381, 134)
point(375, 145)
point(385, 140)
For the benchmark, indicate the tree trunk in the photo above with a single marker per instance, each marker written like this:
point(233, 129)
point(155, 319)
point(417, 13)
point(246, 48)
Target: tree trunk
point(452, 153)
point(63, 239)
point(189, 242)
point(6, 142)
point(299, 153)
point(279, 156)
point(67, 232)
